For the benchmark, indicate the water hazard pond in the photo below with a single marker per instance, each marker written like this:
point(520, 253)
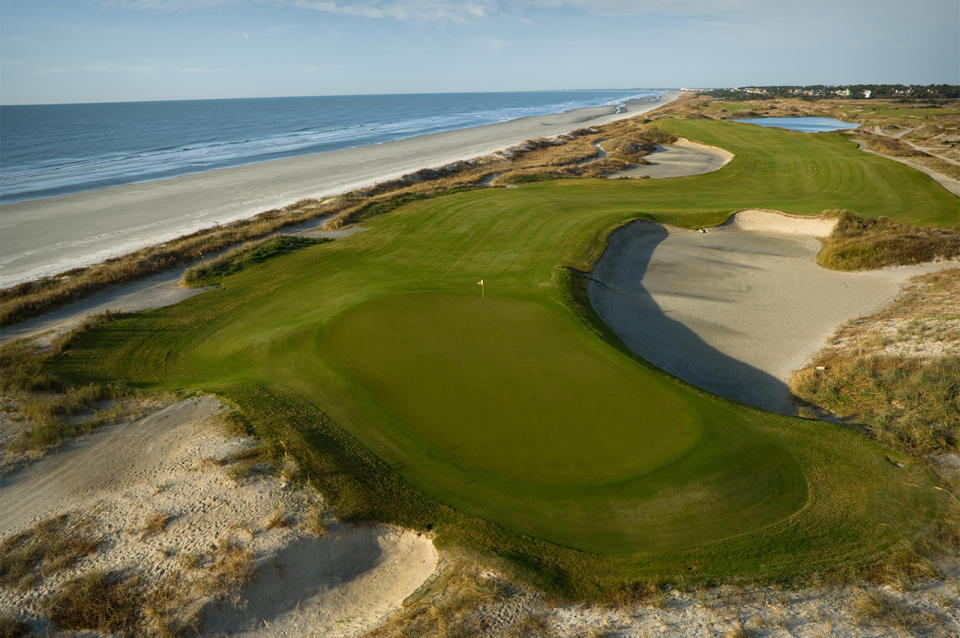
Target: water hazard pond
point(802, 124)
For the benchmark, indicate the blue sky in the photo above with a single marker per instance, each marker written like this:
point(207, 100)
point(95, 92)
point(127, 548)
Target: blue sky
point(107, 50)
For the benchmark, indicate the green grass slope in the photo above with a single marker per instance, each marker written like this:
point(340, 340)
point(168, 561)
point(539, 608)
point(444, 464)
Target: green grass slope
point(518, 427)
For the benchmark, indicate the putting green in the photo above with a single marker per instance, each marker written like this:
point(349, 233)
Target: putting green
point(517, 409)
point(514, 428)
point(512, 388)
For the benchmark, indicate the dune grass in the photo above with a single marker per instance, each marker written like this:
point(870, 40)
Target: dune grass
point(520, 429)
point(857, 243)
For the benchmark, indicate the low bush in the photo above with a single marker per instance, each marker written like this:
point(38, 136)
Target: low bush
point(245, 256)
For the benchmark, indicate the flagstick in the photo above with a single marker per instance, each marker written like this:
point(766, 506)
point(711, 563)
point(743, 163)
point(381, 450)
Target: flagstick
point(482, 293)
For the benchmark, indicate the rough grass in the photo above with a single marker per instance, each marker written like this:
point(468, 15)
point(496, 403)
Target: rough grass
point(13, 628)
point(458, 603)
point(45, 549)
point(896, 373)
point(910, 404)
point(876, 608)
point(231, 566)
point(858, 243)
point(155, 524)
point(98, 601)
point(210, 272)
point(49, 405)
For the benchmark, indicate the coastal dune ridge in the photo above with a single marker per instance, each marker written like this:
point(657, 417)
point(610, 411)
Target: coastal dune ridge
point(48, 236)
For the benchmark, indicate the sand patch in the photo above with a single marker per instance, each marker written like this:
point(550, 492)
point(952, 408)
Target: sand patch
point(170, 464)
point(680, 159)
point(757, 220)
point(736, 309)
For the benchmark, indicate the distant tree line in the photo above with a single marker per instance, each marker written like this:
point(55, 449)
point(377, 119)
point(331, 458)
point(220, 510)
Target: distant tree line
point(906, 92)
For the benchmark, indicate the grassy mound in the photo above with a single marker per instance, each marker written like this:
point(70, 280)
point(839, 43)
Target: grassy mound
point(518, 428)
point(241, 258)
point(865, 244)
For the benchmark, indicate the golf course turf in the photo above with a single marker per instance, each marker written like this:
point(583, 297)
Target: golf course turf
point(518, 425)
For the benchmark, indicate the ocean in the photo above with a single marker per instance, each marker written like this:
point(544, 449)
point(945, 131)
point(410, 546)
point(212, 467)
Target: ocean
point(57, 149)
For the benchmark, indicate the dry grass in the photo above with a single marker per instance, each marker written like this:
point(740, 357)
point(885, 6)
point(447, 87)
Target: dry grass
point(45, 549)
point(857, 243)
point(248, 462)
point(155, 524)
point(13, 628)
point(231, 566)
point(98, 601)
point(897, 371)
point(52, 408)
point(880, 609)
point(277, 519)
point(454, 606)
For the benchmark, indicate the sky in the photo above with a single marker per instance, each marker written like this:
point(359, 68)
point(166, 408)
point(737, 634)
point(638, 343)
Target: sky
point(55, 51)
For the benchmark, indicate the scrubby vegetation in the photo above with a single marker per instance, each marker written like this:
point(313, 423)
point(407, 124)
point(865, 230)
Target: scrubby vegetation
point(99, 601)
point(859, 243)
point(896, 374)
point(238, 259)
point(910, 404)
point(47, 548)
point(45, 401)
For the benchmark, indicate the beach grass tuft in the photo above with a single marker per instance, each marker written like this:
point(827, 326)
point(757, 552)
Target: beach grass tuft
point(859, 243)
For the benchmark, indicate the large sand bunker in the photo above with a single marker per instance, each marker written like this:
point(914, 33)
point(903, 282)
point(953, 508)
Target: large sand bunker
point(736, 309)
point(680, 159)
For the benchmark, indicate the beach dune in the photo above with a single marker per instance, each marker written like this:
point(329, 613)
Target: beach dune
point(48, 236)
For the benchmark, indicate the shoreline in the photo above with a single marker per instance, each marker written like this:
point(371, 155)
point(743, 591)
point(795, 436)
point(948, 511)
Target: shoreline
point(56, 234)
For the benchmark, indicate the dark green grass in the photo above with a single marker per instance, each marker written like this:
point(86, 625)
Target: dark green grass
point(242, 258)
point(370, 359)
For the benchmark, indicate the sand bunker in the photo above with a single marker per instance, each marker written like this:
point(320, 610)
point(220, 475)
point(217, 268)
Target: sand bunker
point(680, 159)
point(736, 309)
point(342, 582)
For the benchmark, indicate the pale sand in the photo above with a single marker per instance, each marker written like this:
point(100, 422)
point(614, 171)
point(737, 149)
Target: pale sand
point(339, 584)
point(48, 236)
point(680, 159)
point(737, 309)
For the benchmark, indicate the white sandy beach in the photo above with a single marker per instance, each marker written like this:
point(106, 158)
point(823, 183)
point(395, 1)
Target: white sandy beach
point(52, 235)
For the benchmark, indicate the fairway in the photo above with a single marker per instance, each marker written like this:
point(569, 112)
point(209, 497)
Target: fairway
point(521, 427)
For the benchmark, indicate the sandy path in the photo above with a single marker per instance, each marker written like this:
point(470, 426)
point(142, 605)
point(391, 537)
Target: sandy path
point(736, 309)
point(339, 584)
point(113, 459)
point(48, 236)
point(679, 159)
point(952, 185)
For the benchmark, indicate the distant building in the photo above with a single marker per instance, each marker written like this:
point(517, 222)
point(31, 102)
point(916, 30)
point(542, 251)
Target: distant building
point(867, 93)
